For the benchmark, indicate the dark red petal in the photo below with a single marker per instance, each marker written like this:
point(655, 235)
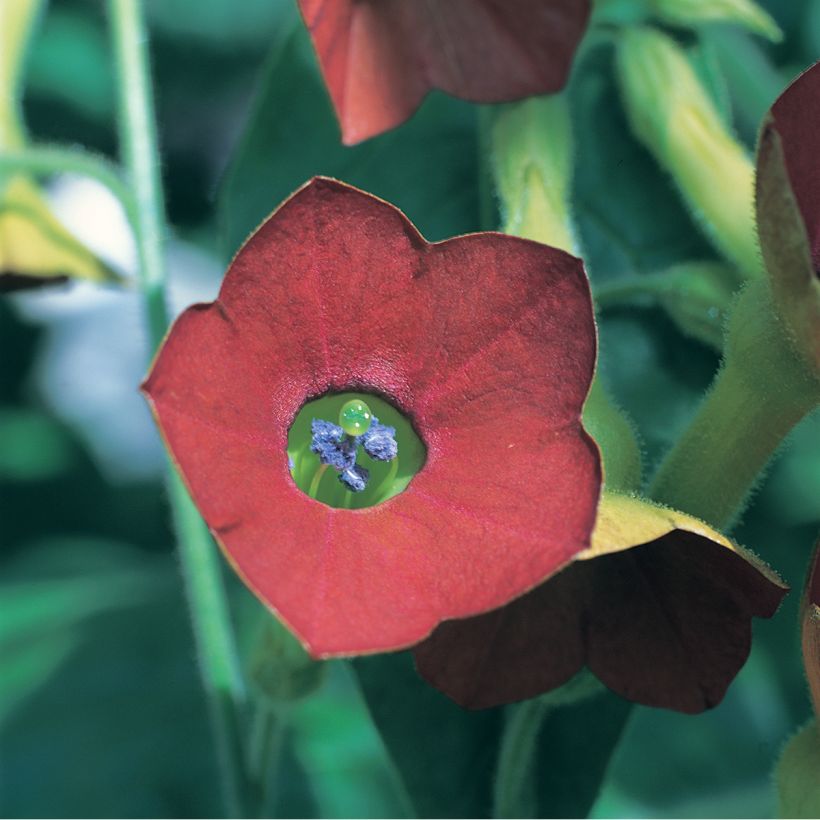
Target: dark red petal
point(664, 624)
point(486, 342)
point(796, 116)
point(380, 57)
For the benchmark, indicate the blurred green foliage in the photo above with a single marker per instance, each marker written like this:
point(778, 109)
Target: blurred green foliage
point(101, 712)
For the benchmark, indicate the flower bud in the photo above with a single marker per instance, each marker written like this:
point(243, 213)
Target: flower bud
point(672, 114)
point(532, 163)
point(692, 13)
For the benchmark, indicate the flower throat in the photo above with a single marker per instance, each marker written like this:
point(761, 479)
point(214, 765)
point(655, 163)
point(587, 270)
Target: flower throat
point(351, 451)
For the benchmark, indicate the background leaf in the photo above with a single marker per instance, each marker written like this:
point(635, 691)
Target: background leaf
point(291, 137)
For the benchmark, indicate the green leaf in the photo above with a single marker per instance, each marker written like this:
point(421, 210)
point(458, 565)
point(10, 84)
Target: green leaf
point(32, 446)
point(98, 664)
point(428, 167)
point(575, 746)
point(444, 754)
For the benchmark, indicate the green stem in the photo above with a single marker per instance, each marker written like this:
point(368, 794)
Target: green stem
point(532, 162)
point(207, 601)
point(514, 795)
point(139, 145)
point(616, 438)
point(52, 160)
point(762, 390)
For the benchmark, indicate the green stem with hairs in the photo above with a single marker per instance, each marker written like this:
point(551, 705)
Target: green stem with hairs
point(763, 389)
point(207, 601)
point(47, 160)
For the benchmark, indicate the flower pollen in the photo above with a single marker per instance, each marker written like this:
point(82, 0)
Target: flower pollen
point(337, 447)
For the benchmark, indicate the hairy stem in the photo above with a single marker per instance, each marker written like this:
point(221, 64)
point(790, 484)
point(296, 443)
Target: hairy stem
point(46, 160)
point(761, 392)
point(207, 602)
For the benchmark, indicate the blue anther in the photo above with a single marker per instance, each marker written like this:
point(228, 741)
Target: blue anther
point(379, 441)
point(355, 478)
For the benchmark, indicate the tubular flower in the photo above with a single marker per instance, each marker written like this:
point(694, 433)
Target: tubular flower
point(659, 608)
point(379, 58)
point(485, 344)
point(788, 209)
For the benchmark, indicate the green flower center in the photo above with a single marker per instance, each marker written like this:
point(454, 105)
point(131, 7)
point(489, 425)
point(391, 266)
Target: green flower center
point(355, 414)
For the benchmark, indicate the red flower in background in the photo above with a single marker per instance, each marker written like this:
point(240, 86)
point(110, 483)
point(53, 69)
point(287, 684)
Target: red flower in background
point(796, 118)
point(788, 209)
point(379, 58)
point(486, 342)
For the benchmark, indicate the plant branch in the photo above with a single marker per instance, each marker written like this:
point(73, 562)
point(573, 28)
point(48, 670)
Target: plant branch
point(47, 160)
point(207, 601)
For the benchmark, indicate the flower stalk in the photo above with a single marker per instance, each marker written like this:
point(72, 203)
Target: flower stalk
point(532, 150)
point(207, 600)
point(762, 391)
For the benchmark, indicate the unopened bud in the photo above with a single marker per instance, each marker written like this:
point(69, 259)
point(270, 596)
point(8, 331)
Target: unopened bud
point(671, 113)
point(532, 165)
point(693, 13)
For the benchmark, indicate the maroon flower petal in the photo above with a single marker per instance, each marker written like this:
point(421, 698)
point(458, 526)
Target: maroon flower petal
point(486, 342)
point(664, 623)
point(796, 118)
point(380, 57)
point(788, 209)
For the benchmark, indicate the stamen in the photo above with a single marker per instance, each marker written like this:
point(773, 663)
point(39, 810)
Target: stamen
point(379, 441)
point(355, 478)
point(317, 477)
point(313, 438)
point(382, 492)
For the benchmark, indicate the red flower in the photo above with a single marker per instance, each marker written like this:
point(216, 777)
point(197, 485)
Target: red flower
point(380, 57)
point(659, 609)
point(796, 118)
point(486, 342)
